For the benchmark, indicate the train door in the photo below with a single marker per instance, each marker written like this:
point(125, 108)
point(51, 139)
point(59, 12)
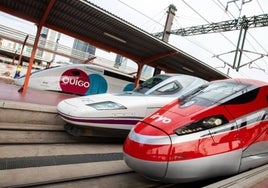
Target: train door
point(251, 115)
point(255, 132)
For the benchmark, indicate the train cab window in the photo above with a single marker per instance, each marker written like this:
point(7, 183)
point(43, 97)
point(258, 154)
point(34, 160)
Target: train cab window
point(150, 83)
point(169, 88)
point(214, 92)
point(218, 91)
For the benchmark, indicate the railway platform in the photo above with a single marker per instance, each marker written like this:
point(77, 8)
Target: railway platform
point(9, 92)
point(35, 106)
point(45, 102)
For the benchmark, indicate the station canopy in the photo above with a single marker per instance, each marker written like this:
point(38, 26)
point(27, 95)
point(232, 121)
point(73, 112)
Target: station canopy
point(87, 22)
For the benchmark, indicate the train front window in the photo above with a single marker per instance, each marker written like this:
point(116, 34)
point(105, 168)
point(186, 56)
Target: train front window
point(150, 83)
point(214, 92)
point(168, 89)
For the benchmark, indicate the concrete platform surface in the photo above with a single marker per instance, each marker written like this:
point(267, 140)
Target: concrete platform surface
point(50, 162)
point(9, 92)
point(35, 106)
point(255, 178)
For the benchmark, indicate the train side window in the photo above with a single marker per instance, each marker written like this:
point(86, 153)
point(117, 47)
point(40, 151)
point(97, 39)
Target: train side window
point(244, 98)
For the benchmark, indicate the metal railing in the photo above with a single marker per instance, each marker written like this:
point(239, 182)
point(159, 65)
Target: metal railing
point(47, 45)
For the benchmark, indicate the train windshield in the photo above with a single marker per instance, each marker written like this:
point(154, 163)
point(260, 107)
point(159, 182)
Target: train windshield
point(214, 92)
point(150, 83)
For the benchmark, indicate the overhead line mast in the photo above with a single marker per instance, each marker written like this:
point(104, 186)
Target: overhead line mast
point(166, 33)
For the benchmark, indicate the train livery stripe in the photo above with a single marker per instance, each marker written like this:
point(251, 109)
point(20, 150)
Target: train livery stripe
point(117, 120)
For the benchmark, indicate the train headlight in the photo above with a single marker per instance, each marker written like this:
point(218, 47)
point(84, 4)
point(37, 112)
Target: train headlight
point(107, 105)
point(203, 124)
point(212, 122)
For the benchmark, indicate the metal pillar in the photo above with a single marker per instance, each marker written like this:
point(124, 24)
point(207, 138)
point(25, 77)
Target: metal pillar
point(170, 16)
point(240, 44)
point(171, 13)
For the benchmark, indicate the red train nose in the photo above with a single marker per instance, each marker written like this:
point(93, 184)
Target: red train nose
point(147, 154)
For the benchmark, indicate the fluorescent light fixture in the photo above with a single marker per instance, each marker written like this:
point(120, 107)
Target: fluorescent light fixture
point(187, 69)
point(114, 37)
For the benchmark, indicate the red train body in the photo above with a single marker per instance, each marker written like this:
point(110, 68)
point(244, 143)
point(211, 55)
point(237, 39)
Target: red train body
point(219, 129)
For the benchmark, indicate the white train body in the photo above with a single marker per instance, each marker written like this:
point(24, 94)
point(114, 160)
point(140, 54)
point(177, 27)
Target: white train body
point(80, 79)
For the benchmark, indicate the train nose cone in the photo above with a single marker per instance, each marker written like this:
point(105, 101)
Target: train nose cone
point(65, 107)
point(147, 154)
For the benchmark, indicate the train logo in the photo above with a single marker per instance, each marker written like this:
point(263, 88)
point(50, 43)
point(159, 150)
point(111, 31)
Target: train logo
point(157, 117)
point(77, 81)
point(74, 80)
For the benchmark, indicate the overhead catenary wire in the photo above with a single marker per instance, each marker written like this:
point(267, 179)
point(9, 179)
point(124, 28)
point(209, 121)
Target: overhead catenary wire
point(191, 41)
point(213, 54)
point(206, 21)
point(148, 17)
point(260, 6)
point(249, 33)
point(222, 8)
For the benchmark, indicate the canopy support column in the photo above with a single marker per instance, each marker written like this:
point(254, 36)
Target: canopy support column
point(137, 81)
point(39, 28)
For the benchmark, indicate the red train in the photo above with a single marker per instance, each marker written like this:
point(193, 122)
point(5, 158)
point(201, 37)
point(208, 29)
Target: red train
point(218, 129)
